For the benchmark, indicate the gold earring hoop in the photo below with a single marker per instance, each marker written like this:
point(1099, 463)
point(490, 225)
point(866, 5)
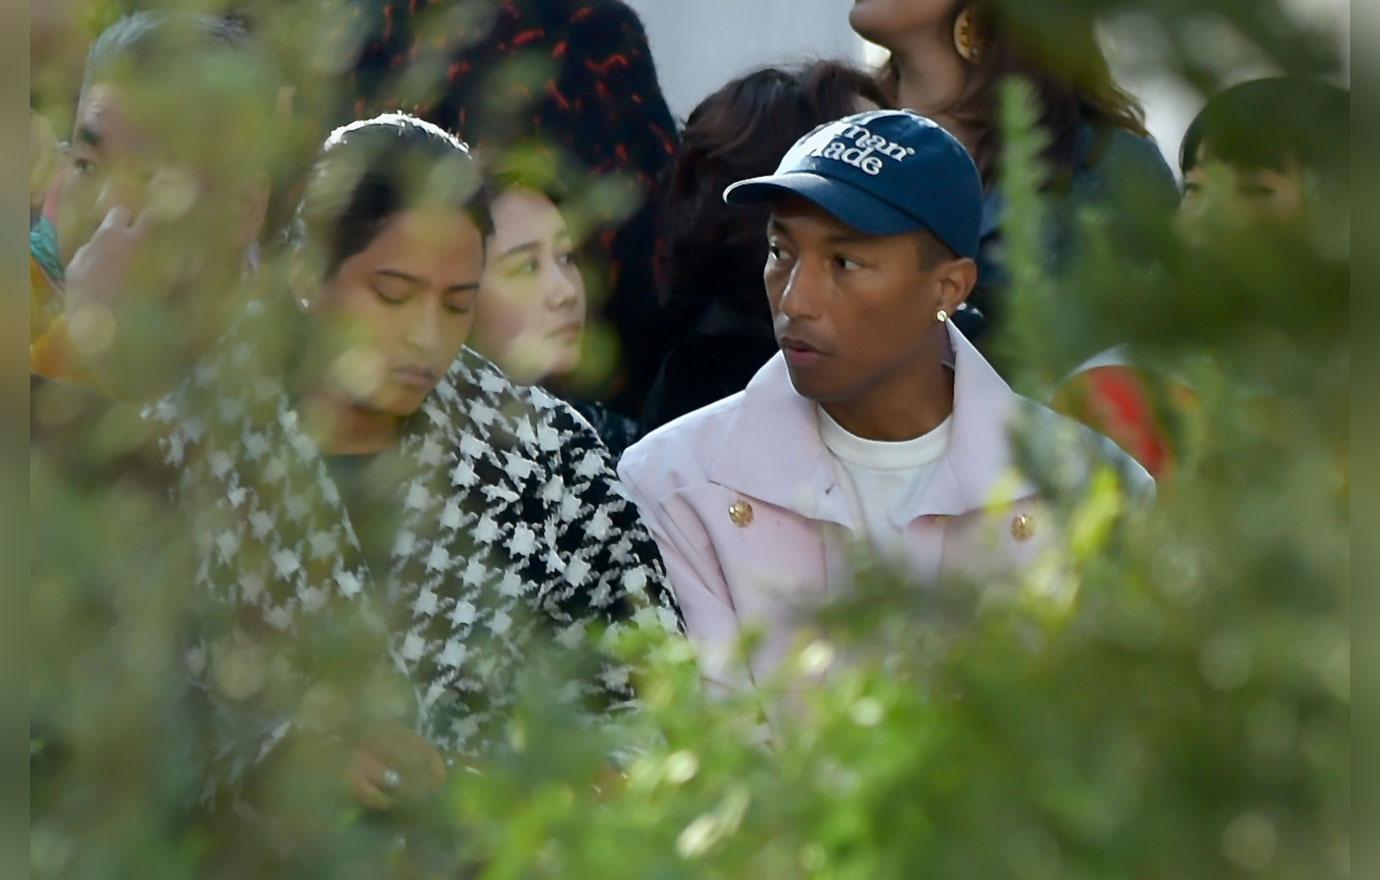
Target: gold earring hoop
point(941, 316)
point(967, 37)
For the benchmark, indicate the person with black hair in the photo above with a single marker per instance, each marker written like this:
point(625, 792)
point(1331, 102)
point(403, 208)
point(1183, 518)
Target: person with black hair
point(711, 255)
point(348, 460)
point(532, 311)
point(1281, 144)
point(948, 60)
point(159, 207)
point(1266, 157)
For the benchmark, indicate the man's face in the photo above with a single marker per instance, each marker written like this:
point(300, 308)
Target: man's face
point(109, 165)
point(128, 150)
point(850, 310)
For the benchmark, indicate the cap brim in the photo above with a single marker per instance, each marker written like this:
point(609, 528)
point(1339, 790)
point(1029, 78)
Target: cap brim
point(863, 212)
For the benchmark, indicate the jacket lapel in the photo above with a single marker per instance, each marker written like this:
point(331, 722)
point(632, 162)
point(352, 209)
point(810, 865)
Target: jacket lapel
point(772, 451)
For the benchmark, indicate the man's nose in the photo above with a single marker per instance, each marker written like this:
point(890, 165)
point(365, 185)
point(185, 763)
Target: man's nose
point(800, 294)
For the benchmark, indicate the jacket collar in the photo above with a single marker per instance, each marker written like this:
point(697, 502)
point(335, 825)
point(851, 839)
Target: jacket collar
point(772, 450)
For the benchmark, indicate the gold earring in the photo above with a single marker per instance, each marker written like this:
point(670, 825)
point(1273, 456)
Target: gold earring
point(967, 40)
point(941, 316)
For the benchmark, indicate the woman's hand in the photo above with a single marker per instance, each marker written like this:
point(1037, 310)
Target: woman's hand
point(393, 763)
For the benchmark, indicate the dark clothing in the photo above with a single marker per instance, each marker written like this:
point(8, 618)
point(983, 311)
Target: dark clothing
point(367, 496)
point(616, 430)
point(588, 101)
point(1115, 163)
point(716, 359)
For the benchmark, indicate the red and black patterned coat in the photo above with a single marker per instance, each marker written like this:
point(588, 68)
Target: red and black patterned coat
point(589, 91)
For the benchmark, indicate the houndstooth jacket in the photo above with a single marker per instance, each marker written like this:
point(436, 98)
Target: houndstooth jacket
point(512, 535)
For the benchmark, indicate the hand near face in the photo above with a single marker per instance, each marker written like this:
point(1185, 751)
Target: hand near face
point(129, 242)
point(100, 269)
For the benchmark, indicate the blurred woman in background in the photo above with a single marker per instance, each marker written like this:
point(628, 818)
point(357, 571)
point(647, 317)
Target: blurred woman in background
point(948, 59)
point(531, 312)
point(349, 461)
point(712, 255)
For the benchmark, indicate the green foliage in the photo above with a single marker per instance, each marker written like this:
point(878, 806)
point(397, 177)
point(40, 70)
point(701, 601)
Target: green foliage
point(1165, 695)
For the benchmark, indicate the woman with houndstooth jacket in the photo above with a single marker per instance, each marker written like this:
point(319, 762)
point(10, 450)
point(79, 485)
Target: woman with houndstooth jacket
point(391, 533)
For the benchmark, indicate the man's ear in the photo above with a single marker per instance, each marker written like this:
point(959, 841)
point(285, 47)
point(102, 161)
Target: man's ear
point(253, 210)
point(956, 279)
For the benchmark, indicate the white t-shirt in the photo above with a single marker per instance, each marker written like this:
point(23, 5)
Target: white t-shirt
point(882, 479)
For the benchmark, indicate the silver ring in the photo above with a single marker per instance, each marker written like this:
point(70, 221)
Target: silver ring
point(391, 778)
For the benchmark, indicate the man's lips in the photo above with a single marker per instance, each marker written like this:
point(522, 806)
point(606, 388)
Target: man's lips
point(798, 351)
point(794, 343)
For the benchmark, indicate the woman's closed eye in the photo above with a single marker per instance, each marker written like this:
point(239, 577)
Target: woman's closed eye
point(393, 291)
point(460, 302)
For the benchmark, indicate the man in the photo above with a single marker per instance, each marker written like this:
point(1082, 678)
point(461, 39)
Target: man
point(152, 224)
point(161, 202)
point(878, 426)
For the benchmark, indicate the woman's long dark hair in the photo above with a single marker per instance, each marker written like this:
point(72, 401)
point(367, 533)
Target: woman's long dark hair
point(1061, 58)
point(710, 250)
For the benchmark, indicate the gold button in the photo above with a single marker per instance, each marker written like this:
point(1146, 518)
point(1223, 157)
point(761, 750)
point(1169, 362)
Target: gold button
point(1022, 527)
point(741, 514)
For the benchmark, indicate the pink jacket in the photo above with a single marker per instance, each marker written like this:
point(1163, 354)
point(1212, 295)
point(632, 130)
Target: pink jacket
point(743, 500)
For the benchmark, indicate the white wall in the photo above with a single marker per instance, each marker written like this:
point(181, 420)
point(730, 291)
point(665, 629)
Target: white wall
point(701, 44)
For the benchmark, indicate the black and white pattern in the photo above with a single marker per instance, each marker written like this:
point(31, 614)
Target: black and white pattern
point(514, 534)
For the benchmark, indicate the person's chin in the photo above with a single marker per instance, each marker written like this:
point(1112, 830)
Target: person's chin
point(809, 382)
point(866, 20)
point(399, 400)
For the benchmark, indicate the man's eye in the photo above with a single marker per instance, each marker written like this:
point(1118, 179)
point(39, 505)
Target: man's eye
point(775, 252)
point(566, 259)
point(846, 264)
point(460, 308)
point(84, 166)
point(1255, 191)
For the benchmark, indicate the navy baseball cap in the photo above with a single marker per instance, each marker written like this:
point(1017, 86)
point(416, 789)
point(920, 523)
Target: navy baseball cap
point(883, 172)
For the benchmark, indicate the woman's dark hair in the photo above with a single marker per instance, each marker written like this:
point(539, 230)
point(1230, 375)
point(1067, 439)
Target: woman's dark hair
point(1271, 123)
point(371, 170)
point(710, 250)
point(1061, 58)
